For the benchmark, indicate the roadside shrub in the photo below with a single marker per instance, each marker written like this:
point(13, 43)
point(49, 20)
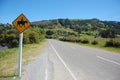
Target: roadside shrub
point(62, 39)
point(49, 32)
point(78, 40)
point(85, 41)
point(112, 43)
point(109, 43)
point(14, 43)
point(94, 42)
point(33, 37)
point(9, 38)
point(69, 39)
point(2, 40)
point(40, 32)
point(48, 36)
point(26, 37)
point(117, 44)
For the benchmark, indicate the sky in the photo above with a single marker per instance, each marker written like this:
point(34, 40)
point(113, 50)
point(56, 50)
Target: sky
point(36, 10)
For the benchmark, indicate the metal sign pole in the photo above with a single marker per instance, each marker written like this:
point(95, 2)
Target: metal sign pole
point(20, 54)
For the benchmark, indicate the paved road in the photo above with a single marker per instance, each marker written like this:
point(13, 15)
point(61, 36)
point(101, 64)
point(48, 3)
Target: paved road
point(65, 61)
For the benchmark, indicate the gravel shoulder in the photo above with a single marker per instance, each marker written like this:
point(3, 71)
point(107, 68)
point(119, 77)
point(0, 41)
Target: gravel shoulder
point(35, 70)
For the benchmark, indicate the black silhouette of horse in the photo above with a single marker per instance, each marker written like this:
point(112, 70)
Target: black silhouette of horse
point(21, 23)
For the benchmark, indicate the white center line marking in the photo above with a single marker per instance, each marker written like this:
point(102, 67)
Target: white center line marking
point(63, 62)
point(105, 59)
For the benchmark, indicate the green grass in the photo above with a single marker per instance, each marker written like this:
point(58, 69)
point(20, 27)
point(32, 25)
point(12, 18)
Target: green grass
point(9, 59)
point(101, 46)
point(101, 43)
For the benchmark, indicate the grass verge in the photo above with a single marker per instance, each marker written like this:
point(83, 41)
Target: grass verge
point(9, 59)
point(101, 44)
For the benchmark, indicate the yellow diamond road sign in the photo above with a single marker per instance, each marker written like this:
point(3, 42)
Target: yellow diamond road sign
point(21, 23)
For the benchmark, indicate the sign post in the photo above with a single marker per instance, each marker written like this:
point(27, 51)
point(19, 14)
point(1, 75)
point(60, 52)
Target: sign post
point(20, 54)
point(21, 23)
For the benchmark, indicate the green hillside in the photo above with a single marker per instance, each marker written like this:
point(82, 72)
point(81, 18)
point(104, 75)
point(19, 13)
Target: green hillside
point(88, 26)
point(93, 32)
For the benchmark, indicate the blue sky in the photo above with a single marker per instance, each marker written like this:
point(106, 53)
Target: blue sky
point(36, 10)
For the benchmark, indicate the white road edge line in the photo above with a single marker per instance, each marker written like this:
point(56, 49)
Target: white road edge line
point(63, 62)
point(108, 60)
point(46, 68)
point(46, 74)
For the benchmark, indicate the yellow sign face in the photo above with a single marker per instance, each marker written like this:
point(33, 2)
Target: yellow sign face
point(21, 23)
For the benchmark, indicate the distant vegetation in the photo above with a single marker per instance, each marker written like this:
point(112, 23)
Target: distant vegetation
point(105, 29)
point(72, 30)
point(10, 37)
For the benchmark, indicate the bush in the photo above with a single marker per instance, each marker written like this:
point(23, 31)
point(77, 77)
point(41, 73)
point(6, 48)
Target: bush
point(78, 40)
point(112, 43)
point(30, 37)
point(85, 41)
point(94, 42)
point(48, 37)
point(70, 39)
point(9, 38)
point(26, 38)
point(40, 32)
point(14, 43)
point(33, 37)
point(109, 43)
point(2, 40)
point(49, 32)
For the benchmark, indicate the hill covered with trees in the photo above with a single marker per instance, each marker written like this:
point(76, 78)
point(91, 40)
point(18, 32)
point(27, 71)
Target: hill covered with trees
point(96, 27)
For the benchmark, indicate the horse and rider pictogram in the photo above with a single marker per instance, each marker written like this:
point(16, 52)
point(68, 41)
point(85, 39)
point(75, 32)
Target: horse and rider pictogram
point(21, 23)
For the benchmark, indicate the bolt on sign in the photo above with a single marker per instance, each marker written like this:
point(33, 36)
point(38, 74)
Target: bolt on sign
point(21, 23)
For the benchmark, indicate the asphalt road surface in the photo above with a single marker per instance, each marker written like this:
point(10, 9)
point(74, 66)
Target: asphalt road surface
point(65, 61)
